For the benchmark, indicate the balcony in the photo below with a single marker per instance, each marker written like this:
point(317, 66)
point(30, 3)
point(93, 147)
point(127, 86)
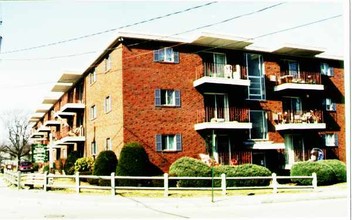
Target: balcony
point(220, 74)
point(300, 81)
point(71, 136)
point(223, 118)
point(72, 107)
point(299, 121)
point(52, 123)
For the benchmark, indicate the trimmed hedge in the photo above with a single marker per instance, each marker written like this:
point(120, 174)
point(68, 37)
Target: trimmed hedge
point(133, 161)
point(187, 166)
point(325, 173)
point(339, 169)
point(244, 170)
point(69, 167)
point(104, 165)
point(84, 164)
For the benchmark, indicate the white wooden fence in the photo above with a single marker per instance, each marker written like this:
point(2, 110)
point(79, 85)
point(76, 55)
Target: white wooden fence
point(47, 182)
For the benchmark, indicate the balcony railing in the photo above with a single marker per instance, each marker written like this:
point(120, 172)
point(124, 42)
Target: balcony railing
point(300, 78)
point(312, 119)
point(231, 114)
point(227, 71)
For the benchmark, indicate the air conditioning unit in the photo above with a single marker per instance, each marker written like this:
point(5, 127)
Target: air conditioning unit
point(228, 71)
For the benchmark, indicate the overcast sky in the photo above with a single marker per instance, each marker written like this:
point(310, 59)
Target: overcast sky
point(41, 40)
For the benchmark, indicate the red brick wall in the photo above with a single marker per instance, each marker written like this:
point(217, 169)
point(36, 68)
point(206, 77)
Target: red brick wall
point(142, 120)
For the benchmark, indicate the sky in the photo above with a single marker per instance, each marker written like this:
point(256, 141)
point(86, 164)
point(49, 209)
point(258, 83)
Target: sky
point(43, 39)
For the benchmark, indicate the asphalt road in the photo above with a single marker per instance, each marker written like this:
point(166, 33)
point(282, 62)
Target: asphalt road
point(35, 204)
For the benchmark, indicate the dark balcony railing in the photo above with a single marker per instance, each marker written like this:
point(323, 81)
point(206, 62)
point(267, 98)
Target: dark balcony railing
point(230, 114)
point(301, 78)
point(228, 71)
point(309, 116)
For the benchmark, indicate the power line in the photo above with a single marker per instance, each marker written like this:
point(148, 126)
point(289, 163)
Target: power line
point(298, 26)
point(109, 30)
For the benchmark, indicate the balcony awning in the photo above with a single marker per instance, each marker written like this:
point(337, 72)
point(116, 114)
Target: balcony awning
point(52, 123)
point(72, 107)
point(264, 145)
point(69, 77)
point(221, 41)
point(70, 140)
point(43, 128)
point(36, 135)
point(295, 50)
point(221, 81)
point(61, 87)
point(44, 108)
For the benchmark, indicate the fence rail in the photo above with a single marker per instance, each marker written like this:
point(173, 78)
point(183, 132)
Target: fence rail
point(47, 182)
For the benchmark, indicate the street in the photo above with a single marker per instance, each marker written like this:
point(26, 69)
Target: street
point(33, 204)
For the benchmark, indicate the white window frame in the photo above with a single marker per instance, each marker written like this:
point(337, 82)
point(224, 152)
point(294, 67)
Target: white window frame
point(108, 144)
point(259, 81)
point(331, 140)
point(107, 63)
point(94, 148)
point(167, 97)
point(167, 55)
point(92, 77)
point(295, 73)
point(168, 142)
point(329, 105)
point(264, 125)
point(326, 70)
point(107, 104)
point(93, 112)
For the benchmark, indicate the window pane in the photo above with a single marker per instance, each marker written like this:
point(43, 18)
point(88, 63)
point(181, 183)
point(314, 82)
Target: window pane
point(259, 125)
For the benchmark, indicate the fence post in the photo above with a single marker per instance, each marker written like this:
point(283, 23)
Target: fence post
point(113, 183)
point(315, 181)
point(166, 185)
point(77, 183)
point(223, 184)
point(19, 180)
point(274, 182)
point(45, 184)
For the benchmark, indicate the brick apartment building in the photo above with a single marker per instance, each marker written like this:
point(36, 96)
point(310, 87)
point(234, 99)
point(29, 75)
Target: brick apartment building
point(210, 95)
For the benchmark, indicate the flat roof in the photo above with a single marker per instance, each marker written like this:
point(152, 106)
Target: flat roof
point(222, 41)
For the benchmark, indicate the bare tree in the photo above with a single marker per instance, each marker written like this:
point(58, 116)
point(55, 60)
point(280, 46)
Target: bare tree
point(17, 129)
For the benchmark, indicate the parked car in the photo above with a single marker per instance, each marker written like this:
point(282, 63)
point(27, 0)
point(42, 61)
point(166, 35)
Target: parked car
point(26, 166)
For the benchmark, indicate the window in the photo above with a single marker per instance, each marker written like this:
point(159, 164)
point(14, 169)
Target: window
point(108, 144)
point(93, 112)
point(255, 73)
point(92, 77)
point(167, 97)
point(166, 54)
point(107, 63)
point(93, 147)
point(325, 69)
point(259, 125)
point(171, 142)
point(329, 105)
point(107, 104)
point(331, 140)
point(293, 68)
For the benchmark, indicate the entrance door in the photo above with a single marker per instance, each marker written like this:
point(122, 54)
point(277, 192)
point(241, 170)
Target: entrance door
point(224, 149)
point(259, 158)
point(294, 147)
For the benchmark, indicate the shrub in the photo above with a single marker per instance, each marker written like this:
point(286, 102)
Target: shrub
point(46, 168)
point(187, 166)
point(325, 173)
point(84, 164)
point(69, 167)
point(35, 166)
point(133, 161)
point(104, 165)
point(244, 170)
point(339, 169)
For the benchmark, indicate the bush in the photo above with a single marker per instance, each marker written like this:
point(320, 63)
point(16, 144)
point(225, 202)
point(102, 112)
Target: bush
point(339, 169)
point(325, 174)
point(187, 166)
point(84, 164)
point(69, 167)
point(244, 170)
point(133, 161)
point(104, 165)
point(35, 166)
